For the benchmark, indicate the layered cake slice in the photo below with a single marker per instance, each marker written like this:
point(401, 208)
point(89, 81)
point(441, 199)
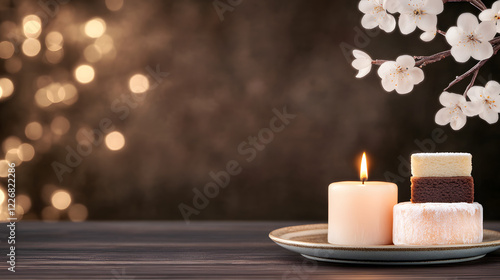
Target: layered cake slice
point(441, 210)
point(442, 177)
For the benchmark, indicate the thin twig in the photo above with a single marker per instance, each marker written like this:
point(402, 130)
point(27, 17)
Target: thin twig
point(474, 70)
point(476, 3)
point(424, 60)
point(472, 81)
point(441, 32)
point(379, 61)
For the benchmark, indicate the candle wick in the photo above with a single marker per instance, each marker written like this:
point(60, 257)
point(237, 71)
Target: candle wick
point(363, 181)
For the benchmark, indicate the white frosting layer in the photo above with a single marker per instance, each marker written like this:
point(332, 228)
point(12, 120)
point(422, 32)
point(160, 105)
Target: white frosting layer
point(441, 164)
point(437, 223)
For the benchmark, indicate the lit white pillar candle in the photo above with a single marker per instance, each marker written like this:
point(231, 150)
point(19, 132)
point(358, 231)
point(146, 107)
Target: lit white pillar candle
point(360, 213)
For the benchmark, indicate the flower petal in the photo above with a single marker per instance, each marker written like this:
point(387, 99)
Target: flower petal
point(448, 99)
point(467, 22)
point(458, 121)
point(475, 93)
point(427, 36)
point(454, 36)
point(488, 15)
point(407, 23)
point(388, 23)
point(369, 21)
point(496, 103)
point(427, 22)
point(404, 86)
point(367, 6)
point(486, 31)
point(360, 54)
point(496, 6)
point(405, 61)
point(490, 116)
point(364, 71)
point(434, 7)
point(416, 75)
point(386, 68)
point(361, 63)
point(461, 53)
point(482, 51)
point(443, 116)
point(392, 6)
point(492, 88)
point(471, 109)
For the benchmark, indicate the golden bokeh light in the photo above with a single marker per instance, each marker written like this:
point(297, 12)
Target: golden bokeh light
point(6, 88)
point(11, 142)
point(13, 65)
point(4, 168)
point(114, 5)
point(25, 152)
point(12, 157)
point(24, 201)
point(138, 83)
point(84, 74)
point(83, 137)
point(6, 50)
point(78, 213)
point(115, 141)
point(92, 53)
point(105, 43)
point(54, 41)
point(59, 125)
point(31, 47)
point(71, 94)
point(50, 214)
point(2, 196)
point(95, 28)
point(41, 98)
point(19, 212)
point(61, 199)
point(32, 26)
point(55, 93)
point(33, 131)
point(54, 57)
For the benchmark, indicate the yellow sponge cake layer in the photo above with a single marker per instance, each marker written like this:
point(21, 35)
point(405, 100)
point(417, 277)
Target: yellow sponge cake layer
point(441, 164)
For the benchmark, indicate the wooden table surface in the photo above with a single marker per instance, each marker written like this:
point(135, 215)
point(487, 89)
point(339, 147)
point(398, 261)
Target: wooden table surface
point(200, 250)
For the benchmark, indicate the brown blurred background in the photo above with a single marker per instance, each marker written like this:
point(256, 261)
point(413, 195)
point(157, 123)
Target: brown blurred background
point(226, 73)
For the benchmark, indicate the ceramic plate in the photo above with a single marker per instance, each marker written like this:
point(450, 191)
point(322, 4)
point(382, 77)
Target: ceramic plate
point(311, 242)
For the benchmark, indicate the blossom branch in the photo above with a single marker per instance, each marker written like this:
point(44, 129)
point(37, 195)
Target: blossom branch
point(474, 70)
point(422, 61)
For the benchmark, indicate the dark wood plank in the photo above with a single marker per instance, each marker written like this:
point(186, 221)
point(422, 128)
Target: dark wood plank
point(203, 250)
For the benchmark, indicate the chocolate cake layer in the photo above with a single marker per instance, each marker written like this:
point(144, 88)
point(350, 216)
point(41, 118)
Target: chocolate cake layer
point(442, 189)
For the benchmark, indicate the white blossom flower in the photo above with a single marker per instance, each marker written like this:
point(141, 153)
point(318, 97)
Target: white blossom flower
point(421, 13)
point(488, 97)
point(427, 36)
point(470, 38)
point(376, 15)
point(456, 110)
point(492, 15)
point(363, 63)
point(400, 75)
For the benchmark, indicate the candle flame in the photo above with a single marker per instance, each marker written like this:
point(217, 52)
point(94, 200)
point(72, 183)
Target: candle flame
point(363, 174)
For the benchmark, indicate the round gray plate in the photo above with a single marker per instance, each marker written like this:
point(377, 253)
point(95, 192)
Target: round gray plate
point(311, 242)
